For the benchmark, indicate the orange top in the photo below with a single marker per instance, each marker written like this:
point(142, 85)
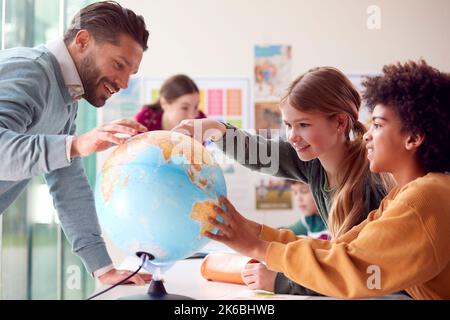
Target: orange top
point(407, 239)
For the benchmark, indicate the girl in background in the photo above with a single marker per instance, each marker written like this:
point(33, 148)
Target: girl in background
point(179, 100)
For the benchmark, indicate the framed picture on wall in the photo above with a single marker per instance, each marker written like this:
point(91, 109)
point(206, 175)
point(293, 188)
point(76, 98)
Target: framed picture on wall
point(273, 67)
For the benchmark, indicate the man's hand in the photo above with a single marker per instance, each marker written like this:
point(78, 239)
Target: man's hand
point(104, 137)
point(257, 277)
point(114, 276)
point(238, 232)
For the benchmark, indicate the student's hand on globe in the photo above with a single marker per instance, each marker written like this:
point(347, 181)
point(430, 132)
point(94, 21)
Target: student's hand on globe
point(257, 277)
point(104, 137)
point(114, 276)
point(237, 232)
point(201, 129)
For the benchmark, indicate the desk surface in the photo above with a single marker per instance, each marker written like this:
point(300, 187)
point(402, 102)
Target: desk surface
point(184, 278)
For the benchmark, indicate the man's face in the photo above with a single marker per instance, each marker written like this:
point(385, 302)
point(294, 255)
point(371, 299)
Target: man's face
point(106, 68)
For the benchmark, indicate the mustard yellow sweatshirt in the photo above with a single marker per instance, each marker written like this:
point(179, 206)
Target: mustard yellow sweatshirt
point(403, 245)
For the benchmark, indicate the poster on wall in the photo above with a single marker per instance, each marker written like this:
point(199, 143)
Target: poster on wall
point(273, 194)
point(273, 66)
point(226, 99)
point(268, 118)
point(122, 105)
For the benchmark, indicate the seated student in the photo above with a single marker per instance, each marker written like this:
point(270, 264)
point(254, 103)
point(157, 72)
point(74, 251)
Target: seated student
point(310, 222)
point(405, 243)
point(256, 275)
point(179, 100)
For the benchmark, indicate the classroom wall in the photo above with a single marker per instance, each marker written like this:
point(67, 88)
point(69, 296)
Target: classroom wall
point(217, 38)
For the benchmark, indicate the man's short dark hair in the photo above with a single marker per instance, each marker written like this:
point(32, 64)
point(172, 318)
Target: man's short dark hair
point(106, 21)
point(420, 96)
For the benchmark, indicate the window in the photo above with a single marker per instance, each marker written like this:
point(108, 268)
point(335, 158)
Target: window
point(2, 6)
point(36, 261)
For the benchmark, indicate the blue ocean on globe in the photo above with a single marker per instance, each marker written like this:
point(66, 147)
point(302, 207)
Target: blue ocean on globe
point(155, 194)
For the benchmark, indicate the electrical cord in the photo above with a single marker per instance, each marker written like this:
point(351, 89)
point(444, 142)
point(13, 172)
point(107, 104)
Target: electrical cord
point(144, 256)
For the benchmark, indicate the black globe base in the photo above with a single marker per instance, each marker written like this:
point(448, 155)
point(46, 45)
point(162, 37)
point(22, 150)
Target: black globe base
point(156, 291)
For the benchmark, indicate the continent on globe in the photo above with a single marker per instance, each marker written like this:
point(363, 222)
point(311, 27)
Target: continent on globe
point(155, 194)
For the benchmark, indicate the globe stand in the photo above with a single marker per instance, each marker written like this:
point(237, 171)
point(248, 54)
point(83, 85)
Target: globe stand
point(156, 290)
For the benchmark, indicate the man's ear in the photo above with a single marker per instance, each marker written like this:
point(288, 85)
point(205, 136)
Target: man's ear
point(82, 41)
point(413, 141)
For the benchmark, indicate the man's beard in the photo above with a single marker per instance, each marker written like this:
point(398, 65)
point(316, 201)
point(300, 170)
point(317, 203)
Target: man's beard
point(89, 75)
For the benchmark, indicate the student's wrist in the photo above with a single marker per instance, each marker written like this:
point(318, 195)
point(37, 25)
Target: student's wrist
point(100, 272)
point(260, 249)
point(255, 228)
point(221, 128)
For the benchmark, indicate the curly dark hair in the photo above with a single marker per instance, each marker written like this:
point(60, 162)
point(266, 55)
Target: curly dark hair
point(420, 96)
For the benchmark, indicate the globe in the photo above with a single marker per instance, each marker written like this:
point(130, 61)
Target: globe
point(155, 193)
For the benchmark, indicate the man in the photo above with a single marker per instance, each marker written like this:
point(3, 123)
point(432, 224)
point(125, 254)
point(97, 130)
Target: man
point(39, 92)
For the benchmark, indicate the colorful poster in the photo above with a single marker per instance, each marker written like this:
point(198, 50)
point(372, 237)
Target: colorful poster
point(202, 103)
point(215, 102)
point(155, 95)
point(273, 194)
point(267, 115)
point(235, 122)
point(234, 102)
point(273, 67)
point(226, 99)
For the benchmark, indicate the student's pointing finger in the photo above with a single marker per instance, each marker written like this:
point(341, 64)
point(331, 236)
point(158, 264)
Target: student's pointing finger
point(221, 226)
point(223, 214)
point(227, 203)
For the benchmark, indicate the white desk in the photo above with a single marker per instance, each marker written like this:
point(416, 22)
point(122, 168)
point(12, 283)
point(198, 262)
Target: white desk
point(184, 278)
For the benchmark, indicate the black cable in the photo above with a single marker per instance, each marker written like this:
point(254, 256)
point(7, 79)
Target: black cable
point(144, 257)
